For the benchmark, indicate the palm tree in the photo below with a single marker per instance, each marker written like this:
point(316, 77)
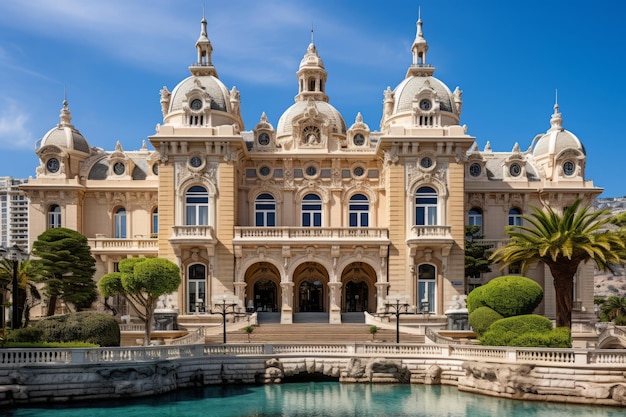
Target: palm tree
point(28, 295)
point(613, 307)
point(562, 242)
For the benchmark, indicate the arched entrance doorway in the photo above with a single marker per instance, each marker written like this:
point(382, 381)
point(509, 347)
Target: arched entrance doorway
point(265, 295)
point(263, 292)
point(356, 297)
point(358, 288)
point(311, 296)
point(311, 290)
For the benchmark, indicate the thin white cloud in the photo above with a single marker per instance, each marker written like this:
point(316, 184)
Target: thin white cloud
point(14, 133)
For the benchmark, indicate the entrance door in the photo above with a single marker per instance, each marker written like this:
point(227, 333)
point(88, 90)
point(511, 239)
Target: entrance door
point(356, 297)
point(265, 296)
point(311, 296)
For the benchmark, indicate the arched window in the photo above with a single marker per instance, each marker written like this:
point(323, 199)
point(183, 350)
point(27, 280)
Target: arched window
point(196, 288)
point(197, 206)
point(426, 207)
point(475, 218)
point(358, 211)
point(120, 223)
point(54, 216)
point(265, 211)
point(426, 287)
point(311, 211)
point(154, 226)
point(515, 217)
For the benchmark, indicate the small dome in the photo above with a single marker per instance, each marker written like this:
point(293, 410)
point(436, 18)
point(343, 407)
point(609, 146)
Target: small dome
point(65, 135)
point(557, 139)
point(406, 91)
point(335, 120)
point(208, 84)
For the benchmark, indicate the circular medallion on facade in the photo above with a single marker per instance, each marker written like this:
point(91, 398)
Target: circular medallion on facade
point(475, 170)
point(358, 139)
point(359, 171)
point(196, 104)
point(119, 168)
point(568, 168)
point(155, 169)
point(515, 170)
point(425, 104)
point(426, 162)
point(264, 171)
point(195, 161)
point(311, 170)
point(53, 165)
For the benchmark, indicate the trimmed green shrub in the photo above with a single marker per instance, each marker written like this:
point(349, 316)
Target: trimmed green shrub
point(475, 299)
point(481, 318)
point(504, 332)
point(25, 335)
point(85, 326)
point(559, 337)
point(508, 295)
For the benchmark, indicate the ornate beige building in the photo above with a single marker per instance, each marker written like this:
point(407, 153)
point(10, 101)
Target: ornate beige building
point(314, 214)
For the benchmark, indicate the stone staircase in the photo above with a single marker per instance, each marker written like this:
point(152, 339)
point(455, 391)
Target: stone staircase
point(314, 333)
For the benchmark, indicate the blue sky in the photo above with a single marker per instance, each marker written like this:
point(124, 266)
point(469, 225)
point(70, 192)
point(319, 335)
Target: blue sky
point(114, 56)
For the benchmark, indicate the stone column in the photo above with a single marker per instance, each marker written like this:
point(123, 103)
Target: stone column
point(334, 308)
point(286, 309)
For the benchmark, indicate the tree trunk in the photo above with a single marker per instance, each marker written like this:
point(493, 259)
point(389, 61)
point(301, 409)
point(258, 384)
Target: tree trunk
point(149, 315)
point(564, 293)
point(52, 305)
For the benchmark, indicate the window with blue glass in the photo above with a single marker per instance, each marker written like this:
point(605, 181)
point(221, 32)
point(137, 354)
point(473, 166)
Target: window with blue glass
point(475, 217)
point(426, 287)
point(359, 211)
point(154, 229)
point(515, 217)
point(54, 216)
point(265, 210)
point(197, 206)
point(120, 223)
point(426, 207)
point(311, 211)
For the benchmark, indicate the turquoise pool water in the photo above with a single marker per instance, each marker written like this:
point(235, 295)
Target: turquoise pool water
point(320, 399)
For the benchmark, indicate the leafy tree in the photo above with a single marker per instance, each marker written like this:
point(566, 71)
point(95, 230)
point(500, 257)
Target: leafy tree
point(562, 242)
point(476, 254)
point(142, 281)
point(612, 308)
point(62, 261)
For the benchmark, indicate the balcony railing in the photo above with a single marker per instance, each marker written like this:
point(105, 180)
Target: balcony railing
point(427, 232)
point(308, 234)
point(192, 232)
point(103, 244)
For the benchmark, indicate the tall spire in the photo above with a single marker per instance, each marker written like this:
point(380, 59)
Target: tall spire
point(419, 67)
point(311, 75)
point(204, 65)
point(556, 122)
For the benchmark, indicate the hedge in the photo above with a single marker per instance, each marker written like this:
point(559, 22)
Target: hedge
point(481, 318)
point(84, 326)
point(504, 332)
point(508, 295)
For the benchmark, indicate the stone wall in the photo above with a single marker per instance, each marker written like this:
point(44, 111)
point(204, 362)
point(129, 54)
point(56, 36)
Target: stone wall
point(597, 383)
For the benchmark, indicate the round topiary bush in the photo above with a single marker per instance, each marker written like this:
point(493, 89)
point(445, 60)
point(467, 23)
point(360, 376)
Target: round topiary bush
point(559, 337)
point(508, 295)
point(481, 318)
point(504, 332)
point(84, 326)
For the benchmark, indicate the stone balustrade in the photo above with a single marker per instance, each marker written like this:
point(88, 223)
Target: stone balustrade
point(564, 375)
point(564, 357)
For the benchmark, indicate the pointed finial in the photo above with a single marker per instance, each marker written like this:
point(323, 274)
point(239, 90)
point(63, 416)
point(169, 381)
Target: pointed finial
point(312, 34)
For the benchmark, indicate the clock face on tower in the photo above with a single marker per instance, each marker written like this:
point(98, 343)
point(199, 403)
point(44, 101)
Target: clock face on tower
point(53, 165)
point(196, 104)
point(264, 139)
point(119, 168)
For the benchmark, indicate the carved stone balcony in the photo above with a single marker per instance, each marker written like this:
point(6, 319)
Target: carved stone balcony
point(434, 237)
point(311, 236)
point(139, 245)
point(186, 237)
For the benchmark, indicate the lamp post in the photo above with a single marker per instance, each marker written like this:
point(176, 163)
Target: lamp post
point(399, 307)
point(15, 255)
point(224, 307)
